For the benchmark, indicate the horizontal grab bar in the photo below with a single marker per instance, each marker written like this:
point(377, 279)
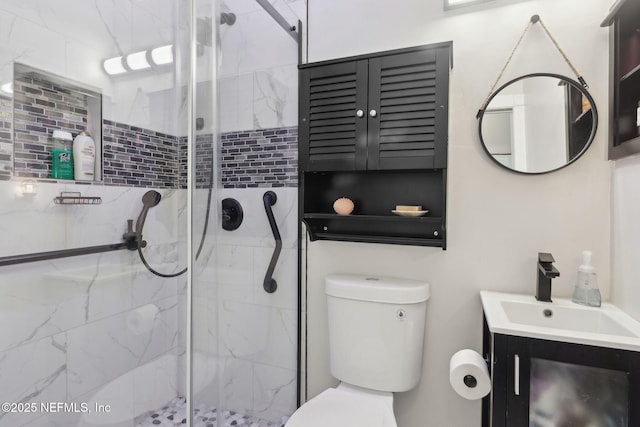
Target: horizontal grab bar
point(64, 253)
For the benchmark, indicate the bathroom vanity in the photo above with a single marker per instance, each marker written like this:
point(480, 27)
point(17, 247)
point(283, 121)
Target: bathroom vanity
point(559, 363)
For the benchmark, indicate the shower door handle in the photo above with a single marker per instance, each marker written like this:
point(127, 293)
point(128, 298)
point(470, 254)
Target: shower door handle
point(269, 198)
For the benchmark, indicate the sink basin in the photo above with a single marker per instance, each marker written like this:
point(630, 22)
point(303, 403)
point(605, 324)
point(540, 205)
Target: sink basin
point(560, 320)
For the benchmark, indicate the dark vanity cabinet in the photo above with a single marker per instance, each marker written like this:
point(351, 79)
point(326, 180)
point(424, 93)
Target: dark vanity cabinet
point(373, 128)
point(539, 383)
point(624, 75)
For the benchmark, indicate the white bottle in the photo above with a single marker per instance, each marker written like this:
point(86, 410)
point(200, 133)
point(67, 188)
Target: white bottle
point(586, 290)
point(84, 155)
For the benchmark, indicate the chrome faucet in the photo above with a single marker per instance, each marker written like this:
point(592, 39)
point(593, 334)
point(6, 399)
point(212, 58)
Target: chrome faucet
point(546, 272)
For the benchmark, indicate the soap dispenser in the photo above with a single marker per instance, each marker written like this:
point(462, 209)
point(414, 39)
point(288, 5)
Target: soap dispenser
point(586, 290)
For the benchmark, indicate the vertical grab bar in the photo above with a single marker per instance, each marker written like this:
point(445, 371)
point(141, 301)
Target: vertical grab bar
point(270, 285)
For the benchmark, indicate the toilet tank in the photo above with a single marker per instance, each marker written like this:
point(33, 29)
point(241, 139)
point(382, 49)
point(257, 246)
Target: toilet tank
point(376, 330)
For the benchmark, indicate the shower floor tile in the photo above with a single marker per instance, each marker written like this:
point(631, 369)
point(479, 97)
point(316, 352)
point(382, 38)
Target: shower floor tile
point(174, 414)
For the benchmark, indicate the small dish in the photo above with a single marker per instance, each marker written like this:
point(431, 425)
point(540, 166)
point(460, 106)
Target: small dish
point(410, 213)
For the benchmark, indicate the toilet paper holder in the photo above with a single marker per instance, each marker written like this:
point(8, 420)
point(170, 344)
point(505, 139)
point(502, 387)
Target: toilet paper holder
point(469, 374)
point(470, 381)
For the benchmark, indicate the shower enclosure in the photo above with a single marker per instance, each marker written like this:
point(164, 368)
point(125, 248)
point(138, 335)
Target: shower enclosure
point(193, 108)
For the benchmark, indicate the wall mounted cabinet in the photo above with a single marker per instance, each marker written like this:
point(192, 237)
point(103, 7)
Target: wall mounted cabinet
point(374, 128)
point(624, 75)
point(538, 382)
point(387, 111)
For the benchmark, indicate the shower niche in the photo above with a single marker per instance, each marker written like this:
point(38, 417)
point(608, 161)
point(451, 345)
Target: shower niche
point(44, 102)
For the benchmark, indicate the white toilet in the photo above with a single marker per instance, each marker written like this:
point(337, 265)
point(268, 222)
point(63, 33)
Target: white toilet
point(376, 332)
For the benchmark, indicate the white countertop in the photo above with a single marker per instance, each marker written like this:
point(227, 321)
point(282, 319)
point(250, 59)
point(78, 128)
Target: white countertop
point(522, 315)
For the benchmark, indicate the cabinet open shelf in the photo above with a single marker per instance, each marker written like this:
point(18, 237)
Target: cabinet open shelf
point(390, 218)
point(375, 194)
point(414, 241)
point(421, 231)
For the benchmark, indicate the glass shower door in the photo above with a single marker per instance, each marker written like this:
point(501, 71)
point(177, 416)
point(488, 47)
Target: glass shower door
point(245, 337)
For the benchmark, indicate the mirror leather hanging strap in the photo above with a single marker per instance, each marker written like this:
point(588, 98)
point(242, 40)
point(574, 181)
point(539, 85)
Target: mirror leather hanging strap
point(534, 19)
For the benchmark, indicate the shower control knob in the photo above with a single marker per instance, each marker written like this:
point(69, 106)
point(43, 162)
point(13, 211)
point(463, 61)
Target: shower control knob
point(360, 113)
point(373, 113)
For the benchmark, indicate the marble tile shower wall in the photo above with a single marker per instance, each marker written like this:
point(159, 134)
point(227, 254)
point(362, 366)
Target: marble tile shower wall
point(72, 330)
point(73, 337)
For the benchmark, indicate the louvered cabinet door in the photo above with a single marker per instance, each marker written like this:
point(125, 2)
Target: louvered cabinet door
point(408, 100)
point(333, 136)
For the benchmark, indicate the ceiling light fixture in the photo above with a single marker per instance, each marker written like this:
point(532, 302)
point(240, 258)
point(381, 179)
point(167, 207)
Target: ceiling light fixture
point(113, 66)
point(138, 60)
point(454, 4)
point(141, 60)
point(162, 55)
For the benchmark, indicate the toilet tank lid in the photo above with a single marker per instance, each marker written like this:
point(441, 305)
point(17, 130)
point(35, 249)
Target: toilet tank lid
point(377, 289)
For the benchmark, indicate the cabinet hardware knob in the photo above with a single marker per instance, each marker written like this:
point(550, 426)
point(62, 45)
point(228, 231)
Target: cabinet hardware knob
point(360, 113)
point(435, 233)
point(373, 113)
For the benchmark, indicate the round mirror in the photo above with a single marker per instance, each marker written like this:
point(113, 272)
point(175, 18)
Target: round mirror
point(538, 123)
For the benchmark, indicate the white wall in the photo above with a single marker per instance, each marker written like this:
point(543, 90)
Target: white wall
point(497, 221)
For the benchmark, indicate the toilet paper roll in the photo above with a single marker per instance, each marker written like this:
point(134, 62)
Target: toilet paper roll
point(141, 319)
point(468, 375)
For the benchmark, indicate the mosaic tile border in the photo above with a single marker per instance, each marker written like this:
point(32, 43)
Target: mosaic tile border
point(6, 140)
point(263, 158)
point(260, 158)
point(133, 156)
point(138, 157)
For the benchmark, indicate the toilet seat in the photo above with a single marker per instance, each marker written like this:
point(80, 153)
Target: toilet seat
point(344, 407)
